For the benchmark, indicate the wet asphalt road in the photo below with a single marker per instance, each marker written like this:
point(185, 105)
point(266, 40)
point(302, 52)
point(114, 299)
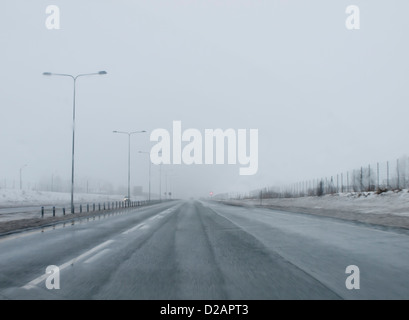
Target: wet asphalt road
point(205, 250)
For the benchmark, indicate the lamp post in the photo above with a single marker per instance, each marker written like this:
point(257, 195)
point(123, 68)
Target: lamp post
point(129, 157)
point(166, 185)
point(21, 179)
point(169, 174)
point(160, 178)
point(150, 164)
point(170, 186)
point(74, 78)
point(160, 182)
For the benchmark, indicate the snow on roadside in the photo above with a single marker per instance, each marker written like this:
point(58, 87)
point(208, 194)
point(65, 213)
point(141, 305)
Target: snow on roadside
point(22, 198)
point(390, 202)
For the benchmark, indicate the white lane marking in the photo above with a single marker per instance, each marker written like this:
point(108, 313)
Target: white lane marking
point(133, 228)
point(41, 278)
point(97, 256)
point(145, 225)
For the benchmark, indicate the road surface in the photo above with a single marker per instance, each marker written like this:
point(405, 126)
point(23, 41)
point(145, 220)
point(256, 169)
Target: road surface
point(205, 250)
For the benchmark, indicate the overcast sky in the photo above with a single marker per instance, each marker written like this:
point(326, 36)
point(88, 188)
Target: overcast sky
point(324, 99)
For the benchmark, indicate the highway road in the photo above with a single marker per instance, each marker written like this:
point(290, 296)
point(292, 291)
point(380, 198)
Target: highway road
point(205, 250)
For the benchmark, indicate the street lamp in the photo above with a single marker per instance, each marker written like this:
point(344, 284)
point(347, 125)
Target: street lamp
point(74, 78)
point(21, 180)
point(166, 185)
point(170, 185)
point(150, 164)
point(129, 157)
point(160, 178)
point(160, 182)
point(168, 175)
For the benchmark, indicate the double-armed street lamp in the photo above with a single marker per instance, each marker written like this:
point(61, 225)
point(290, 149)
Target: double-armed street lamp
point(129, 157)
point(74, 78)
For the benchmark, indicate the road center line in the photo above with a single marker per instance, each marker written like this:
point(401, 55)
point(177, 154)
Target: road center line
point(144, 225)
point(97, 256)
point(133, 228)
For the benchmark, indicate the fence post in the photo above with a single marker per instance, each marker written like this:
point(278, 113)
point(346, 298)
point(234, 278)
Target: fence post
point(53, 211)
point(93, 207)
point(337, 183)
point(347, 181)
point(42, 212)
point(377, 175)
point(361, 181)
point(80, 208)
point(87, 207)
point(63, 211)
point(369, 177)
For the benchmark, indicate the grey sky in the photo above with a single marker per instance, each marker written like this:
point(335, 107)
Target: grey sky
point(325, 99)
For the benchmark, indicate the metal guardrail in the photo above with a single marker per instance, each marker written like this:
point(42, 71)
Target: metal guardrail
point(95, 207)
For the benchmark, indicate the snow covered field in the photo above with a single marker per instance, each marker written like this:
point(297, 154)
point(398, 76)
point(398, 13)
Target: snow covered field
point(24, 198)
point(389, 209)
point(396, 203)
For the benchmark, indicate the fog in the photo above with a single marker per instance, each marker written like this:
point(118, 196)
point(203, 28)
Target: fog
point(323, 98)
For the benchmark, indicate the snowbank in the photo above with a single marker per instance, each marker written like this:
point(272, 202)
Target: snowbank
point(395, 203)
